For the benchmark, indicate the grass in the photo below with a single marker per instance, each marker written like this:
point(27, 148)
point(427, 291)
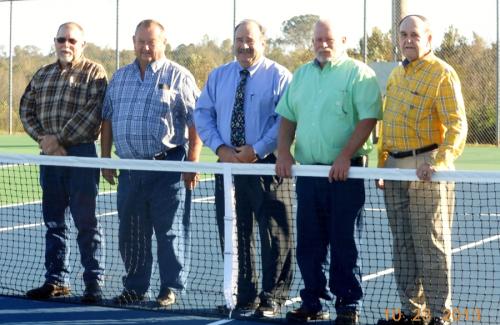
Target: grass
point(475, 157)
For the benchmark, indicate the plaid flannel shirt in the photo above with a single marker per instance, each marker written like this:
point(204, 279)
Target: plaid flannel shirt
point(65, 102)
point(423, 106)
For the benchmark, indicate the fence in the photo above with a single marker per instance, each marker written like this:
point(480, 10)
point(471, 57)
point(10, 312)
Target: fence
point(200, 38)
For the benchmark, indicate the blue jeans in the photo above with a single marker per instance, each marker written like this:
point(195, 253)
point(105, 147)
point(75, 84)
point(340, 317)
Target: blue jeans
point(147, 201)
point(330, 214)
point(75, 188)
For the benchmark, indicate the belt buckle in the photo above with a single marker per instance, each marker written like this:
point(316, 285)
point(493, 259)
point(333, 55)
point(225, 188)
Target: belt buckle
point(160, 156)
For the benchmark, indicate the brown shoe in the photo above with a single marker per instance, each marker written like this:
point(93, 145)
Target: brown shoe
point(304, 314)
point(47, 291)
point(347, 318)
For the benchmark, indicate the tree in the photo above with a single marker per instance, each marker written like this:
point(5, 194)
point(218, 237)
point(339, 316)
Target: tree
point(298, 31)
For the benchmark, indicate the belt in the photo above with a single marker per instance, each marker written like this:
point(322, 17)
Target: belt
point(414, 152)
point(162, 155)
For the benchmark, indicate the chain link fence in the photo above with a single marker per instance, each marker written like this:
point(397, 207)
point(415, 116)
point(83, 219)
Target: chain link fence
point(200, 38)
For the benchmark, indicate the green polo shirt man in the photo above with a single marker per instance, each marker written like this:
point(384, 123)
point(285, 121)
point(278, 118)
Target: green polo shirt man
point(330, 108)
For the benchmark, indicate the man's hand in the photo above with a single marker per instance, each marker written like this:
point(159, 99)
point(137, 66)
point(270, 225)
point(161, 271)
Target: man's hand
point(284, 164)
point(227, 154)
point(340, 169)
point(190, 180)
point(109, 175)
point(50, 145)
point(379, 183)
point(245, 154)
point(425, 171)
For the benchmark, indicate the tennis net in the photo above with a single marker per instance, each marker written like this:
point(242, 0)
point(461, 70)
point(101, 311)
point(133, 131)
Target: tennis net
point(211, 275)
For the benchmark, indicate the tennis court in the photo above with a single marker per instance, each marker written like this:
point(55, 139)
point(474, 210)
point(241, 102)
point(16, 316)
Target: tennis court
point(476, 254)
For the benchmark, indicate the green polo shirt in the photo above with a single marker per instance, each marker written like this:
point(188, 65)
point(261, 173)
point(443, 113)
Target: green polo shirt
point(327, 104)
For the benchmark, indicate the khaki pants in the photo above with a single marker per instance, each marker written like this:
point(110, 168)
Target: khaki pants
point(420, 216)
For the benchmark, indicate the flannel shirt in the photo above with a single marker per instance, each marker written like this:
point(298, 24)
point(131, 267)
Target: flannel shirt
point(423, 106)
point(65, 102)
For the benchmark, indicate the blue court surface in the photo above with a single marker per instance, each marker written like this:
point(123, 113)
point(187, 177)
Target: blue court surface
point(17, 311)
point(475, 277)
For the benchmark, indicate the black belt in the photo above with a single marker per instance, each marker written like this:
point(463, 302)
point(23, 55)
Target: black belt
point(409, 153)
point(162, 155)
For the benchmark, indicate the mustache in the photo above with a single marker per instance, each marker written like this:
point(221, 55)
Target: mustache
point(245, 51)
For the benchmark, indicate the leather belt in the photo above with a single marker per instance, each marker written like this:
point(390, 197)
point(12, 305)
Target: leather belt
point(414, 152)
point(162, 155)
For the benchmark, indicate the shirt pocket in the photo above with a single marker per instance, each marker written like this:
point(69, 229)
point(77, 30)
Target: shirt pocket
point(76, 92)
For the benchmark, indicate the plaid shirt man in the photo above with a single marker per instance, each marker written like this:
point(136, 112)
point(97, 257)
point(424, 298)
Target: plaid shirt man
point(65, 102)
point(423, 104)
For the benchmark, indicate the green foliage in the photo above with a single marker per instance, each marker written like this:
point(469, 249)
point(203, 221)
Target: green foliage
point(298, 31)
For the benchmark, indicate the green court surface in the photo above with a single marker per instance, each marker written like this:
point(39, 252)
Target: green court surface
point(475, 157)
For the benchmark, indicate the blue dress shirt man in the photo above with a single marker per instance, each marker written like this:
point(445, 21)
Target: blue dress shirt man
point(148, 112)
point(252, 84)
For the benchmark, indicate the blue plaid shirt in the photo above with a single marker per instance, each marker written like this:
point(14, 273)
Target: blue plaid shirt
point(151, 115)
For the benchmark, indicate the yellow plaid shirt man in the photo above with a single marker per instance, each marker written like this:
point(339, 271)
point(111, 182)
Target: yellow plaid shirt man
point(424, 106)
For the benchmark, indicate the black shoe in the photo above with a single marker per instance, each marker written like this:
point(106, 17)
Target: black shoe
point(347, 318)
point(92, 293)
point(47, 291)
point(402, 319)
point(304, 314)
point(166, 298)
point(128, 297)
point(267, 308)
point(438, 321)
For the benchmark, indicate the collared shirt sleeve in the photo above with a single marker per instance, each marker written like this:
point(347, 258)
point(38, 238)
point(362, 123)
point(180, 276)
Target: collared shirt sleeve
point(451, 111)
point(269, 141)
point(190, 93)
point(107, 106)
point(205, 115)
point(88, 117)
point(366, 95)
point(28, 113)
point(285, 107)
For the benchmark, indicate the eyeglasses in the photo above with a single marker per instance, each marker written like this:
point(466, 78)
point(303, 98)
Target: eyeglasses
point(62, 40)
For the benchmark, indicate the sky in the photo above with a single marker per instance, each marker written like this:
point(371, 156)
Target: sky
point(187, 21)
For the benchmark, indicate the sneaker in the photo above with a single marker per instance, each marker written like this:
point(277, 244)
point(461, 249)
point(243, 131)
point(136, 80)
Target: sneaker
point(438, 321)
point(166, 298)
point(244, 310)
point(402, 319)
point(92, 293)
point(347, 318)
point(47, 291)
point(267, 308)
point(304, 314)
point(127, 298)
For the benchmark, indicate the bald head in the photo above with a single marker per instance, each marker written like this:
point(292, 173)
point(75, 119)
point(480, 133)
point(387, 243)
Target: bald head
point(328, 40)
point(414, 37)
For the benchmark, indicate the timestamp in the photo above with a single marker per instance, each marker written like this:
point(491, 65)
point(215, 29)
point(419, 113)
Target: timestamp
point(454, 314)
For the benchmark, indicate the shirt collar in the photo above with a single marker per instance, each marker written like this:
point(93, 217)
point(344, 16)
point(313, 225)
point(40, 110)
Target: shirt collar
point(71, 64)
point(429, 57)
point(252, 69)
point(155, 65)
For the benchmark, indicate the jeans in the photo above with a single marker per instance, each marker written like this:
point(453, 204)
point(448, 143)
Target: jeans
point(75, 188)
point(147, 201)
point(330, 215)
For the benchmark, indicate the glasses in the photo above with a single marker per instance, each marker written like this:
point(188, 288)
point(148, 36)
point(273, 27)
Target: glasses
point(62, 40)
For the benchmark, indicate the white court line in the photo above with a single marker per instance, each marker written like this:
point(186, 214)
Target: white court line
point(220, 322)
point(41, 224)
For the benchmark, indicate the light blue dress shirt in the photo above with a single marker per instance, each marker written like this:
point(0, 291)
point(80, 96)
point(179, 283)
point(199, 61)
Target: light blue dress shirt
point(264, 87)
point(151, 115)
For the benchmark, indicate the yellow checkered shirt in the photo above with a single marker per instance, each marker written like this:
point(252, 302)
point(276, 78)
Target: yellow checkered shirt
point(424, 105)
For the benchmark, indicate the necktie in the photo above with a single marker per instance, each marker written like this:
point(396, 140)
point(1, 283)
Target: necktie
point(238, 117)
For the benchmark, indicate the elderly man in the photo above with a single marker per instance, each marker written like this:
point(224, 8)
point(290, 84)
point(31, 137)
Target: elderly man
point(61, 110)
point(235, 117)
point(148, 112)
point(330, 109)
point(424, 128)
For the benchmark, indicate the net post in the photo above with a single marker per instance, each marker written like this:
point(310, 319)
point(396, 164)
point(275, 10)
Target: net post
point(230, 242)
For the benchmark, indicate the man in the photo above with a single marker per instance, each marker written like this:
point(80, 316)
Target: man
point(330, 109)
point(424, 128)
point(148, 114)
point(235, 117)
point(61, 110)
